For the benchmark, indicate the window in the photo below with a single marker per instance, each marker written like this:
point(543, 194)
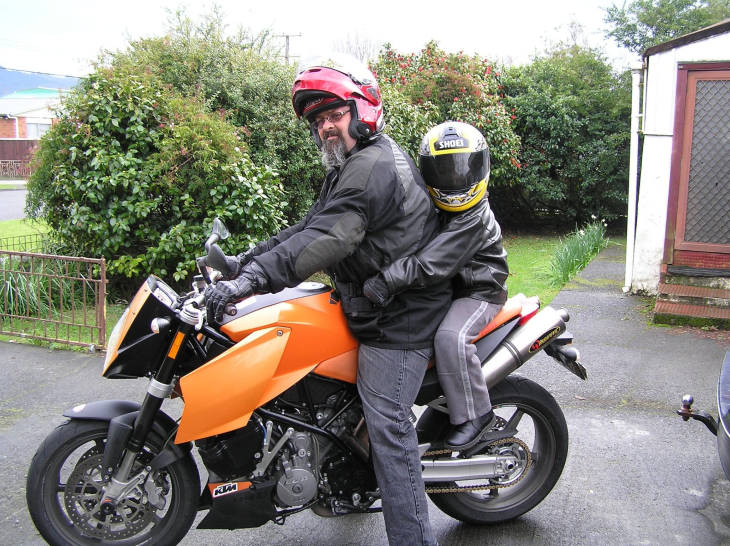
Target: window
point(36, 130)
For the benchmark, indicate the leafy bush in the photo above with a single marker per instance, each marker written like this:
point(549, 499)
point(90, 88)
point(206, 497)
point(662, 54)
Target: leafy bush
point(640, 24)
point(448, 87)
point(406, 123)
point(573, 116)
point(240, 76)
point(135, 173)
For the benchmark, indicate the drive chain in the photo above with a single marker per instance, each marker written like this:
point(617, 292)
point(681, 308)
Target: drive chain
point(462, 489)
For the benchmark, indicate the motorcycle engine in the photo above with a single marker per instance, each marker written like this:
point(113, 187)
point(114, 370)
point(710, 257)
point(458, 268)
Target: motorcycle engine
point(296, 482)
point(311, 467)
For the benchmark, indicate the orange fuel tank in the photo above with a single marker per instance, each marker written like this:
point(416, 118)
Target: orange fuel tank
point(277, 345)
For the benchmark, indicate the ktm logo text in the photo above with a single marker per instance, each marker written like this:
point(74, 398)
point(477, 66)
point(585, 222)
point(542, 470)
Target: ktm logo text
point(225, 489)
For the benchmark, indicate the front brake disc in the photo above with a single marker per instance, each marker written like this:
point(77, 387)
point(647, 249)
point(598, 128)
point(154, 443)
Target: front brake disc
point(82, 497)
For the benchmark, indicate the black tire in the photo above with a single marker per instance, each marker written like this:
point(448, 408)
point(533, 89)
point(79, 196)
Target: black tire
point(544, 430)
point(64, 516)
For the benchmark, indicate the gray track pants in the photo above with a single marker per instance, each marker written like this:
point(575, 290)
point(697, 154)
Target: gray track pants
point(458, 367)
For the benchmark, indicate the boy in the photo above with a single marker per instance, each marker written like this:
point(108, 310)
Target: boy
point(454, 162)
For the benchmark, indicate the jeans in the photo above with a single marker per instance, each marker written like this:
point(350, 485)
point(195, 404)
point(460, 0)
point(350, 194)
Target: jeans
point(388, 381)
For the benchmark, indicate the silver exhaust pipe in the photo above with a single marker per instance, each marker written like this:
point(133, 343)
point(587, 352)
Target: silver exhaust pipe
point(520, 346)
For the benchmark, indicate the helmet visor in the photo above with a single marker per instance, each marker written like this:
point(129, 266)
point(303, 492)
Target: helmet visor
point(454, 171)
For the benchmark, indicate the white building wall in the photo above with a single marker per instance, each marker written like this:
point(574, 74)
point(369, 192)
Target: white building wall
point(658, 126)
point(652, 213)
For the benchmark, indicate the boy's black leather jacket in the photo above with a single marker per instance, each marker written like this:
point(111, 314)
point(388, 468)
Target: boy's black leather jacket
point(372, 210)
point(468, 248)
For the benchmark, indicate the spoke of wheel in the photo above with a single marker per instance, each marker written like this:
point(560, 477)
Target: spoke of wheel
point(123, 515)
point(514, 421)
point(95, 509)
point(89, 498)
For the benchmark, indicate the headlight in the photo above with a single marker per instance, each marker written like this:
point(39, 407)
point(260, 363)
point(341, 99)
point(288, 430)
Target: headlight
point(115, 339)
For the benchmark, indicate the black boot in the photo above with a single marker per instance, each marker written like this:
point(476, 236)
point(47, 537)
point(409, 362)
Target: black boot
point(467, 434)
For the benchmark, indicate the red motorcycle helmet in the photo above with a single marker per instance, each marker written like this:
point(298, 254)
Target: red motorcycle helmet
point(324, 82)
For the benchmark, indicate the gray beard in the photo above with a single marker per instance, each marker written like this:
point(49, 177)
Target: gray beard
point(333, 152)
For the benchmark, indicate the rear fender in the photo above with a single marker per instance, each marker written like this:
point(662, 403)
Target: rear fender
point(121, 415)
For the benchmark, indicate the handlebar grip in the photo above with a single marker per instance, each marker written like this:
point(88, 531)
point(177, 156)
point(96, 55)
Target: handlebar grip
point(231, 310)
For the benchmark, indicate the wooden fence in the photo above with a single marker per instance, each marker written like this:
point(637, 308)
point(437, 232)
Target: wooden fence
point(15, 157)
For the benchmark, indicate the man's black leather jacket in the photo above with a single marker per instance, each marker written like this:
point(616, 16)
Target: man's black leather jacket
point(468, 248)
point(372, 210)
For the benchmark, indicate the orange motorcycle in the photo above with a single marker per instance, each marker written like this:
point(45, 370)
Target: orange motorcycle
point(271, 405)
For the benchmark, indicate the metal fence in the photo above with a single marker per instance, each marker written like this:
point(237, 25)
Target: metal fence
point(14, 169)
point(53, 298)
point(24, 243)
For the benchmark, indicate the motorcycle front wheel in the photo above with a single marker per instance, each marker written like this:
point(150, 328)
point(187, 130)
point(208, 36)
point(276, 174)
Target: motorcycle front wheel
point(65, 487)
point(541, 450)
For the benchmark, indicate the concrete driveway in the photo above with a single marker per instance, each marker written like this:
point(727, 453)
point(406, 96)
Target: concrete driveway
point(636, 474)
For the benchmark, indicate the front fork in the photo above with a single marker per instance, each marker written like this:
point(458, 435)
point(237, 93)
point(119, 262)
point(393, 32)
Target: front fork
point(130, 438)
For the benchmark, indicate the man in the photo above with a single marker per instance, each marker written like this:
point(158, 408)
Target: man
point(373, 209)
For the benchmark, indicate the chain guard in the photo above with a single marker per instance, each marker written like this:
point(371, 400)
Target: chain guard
point(488, 448)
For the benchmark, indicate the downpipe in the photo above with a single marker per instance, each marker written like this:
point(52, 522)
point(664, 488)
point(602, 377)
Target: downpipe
point(524, 343)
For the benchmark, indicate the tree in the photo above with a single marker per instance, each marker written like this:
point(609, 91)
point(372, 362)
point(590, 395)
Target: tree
point(360, 45)
point(134, 172)
point(645, 23)
point(572, 115)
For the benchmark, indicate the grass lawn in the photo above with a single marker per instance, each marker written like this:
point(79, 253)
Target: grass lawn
point(528, 257)
point(18, 228)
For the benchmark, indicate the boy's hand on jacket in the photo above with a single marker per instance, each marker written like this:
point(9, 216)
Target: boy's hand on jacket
point(376, 291)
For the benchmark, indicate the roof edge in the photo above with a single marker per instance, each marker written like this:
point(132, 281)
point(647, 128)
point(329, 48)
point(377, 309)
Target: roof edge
point(713, 30)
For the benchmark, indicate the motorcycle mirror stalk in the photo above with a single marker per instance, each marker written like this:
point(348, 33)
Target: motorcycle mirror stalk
point(216, 258)
point(218, 233)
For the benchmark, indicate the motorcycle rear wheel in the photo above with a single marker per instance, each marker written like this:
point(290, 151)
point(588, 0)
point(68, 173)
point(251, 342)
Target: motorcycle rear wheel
point(64, 488)
point(541, 425)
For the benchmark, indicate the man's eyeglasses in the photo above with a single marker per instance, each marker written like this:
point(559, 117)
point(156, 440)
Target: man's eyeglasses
point(334, 117)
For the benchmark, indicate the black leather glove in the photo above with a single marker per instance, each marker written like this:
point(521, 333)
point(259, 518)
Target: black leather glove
point(236, 263)
point(252, 279)
point(376, 291)
point(220, 294)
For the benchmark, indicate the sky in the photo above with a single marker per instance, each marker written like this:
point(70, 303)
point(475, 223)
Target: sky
point(62, 36)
